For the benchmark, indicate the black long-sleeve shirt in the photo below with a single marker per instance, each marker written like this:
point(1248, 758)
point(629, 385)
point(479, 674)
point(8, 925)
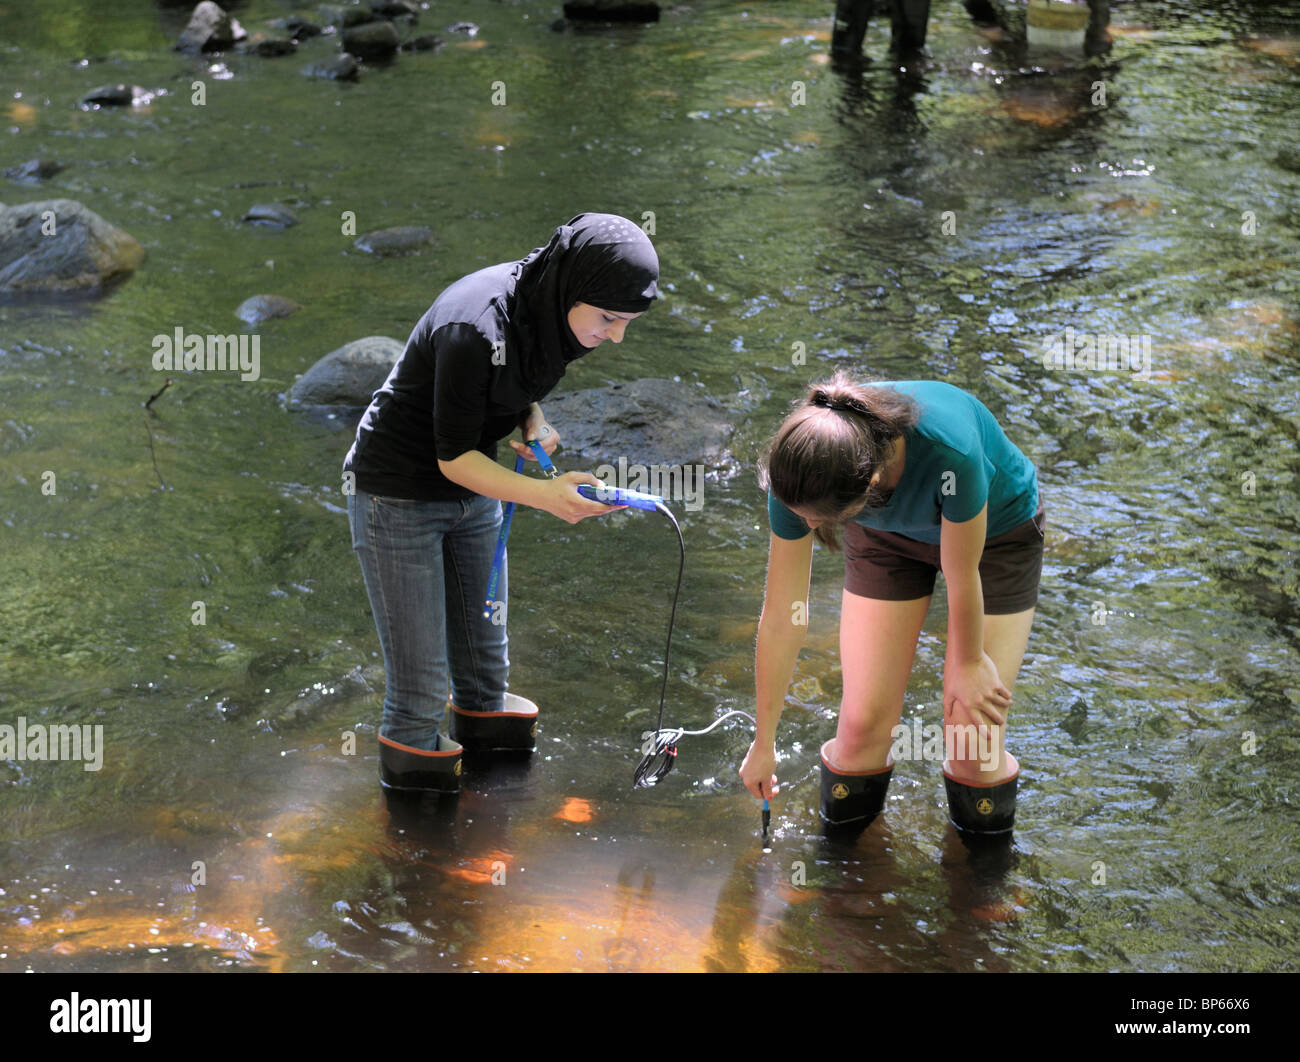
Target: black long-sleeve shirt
point(457, 387)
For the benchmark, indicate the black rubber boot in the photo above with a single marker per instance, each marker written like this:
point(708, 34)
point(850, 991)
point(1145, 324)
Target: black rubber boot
point(511, 730)
point(982, 810)
point(852, 798)
point(412, 770)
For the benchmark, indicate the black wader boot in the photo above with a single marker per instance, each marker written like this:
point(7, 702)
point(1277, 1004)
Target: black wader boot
point(852, 799)
point(408, 769)
point(982, 811)
point(511, 730)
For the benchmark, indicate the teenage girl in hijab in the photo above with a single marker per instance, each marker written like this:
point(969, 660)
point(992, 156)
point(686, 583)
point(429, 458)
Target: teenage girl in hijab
point(921, 478)
point(426, 510)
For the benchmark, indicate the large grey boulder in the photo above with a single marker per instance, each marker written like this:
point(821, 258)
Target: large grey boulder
point(56, 246)
point(651, 421)
point(348, 376)
point(210, 29)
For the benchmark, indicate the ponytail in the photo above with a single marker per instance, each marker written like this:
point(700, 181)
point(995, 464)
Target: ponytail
point(823, 455)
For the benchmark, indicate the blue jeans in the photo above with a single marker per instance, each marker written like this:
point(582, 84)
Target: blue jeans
point(426, 566)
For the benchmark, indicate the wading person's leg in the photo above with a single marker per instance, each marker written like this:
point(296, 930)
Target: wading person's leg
point(980, 757)
point(877, 646)
point(980, 775)
point(484, 715)
point(399, 545)
point(476, 645)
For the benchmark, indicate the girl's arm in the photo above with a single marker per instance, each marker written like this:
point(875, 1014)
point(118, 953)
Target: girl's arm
point(476, 471)
point(781, 629)
point(970, 676)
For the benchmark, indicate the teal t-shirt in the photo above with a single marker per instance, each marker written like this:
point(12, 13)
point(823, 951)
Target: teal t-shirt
point(957, 460)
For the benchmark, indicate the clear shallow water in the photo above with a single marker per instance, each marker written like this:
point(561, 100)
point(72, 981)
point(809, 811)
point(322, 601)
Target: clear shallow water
point(776, 224)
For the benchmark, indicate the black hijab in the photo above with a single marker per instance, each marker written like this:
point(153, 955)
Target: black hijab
point(601, 259)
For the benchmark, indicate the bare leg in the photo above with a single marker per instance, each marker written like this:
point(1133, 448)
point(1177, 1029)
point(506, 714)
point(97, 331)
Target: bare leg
point(877, 646)
point(1005, 639)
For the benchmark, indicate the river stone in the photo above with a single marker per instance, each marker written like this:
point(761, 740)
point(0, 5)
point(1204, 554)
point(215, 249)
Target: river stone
point(340, 68)
point(34, 170)
point(425, 42)
point(112, 96)
point(405, 239)
point(374, 40)
point(83, 254)
point(612, 10)
point(1289, 159)
point(275, 215)
point(347, 376)
point(269, 47)
point(297, 27)
point(394, 8)
point(348, 17)
point(658, 422)
point(259, 308)
point(319, 699)
point(467, 28)
point(210, 29)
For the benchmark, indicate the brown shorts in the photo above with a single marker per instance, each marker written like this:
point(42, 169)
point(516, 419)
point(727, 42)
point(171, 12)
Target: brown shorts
point(889, 567)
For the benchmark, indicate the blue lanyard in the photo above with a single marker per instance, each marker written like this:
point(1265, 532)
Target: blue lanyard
point(506, 516)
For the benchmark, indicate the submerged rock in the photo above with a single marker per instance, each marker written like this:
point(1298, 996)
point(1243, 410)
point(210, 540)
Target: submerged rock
point(647, 421)
point(210, 29)
point(310, 704)
point(340, 68)
point(394, 8)
point(467, 28)
point(425, 42)
point(112, 96)
point(34, 170)
point(347, 376)
point(1288, 159)
point(373, 40)
point(269, 47)
point(612, 10)
point(273, 215)
point(347, 17)
point(259, 308)
point(57, 246)
point(405, 239)
point(299, 28)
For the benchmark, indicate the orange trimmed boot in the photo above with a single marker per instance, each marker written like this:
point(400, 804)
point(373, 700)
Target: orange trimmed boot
point(852, 798)
point(982, 810)
point(410, 769)
point(511, 730)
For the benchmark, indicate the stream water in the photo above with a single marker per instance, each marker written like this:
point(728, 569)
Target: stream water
point(1155, 714)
